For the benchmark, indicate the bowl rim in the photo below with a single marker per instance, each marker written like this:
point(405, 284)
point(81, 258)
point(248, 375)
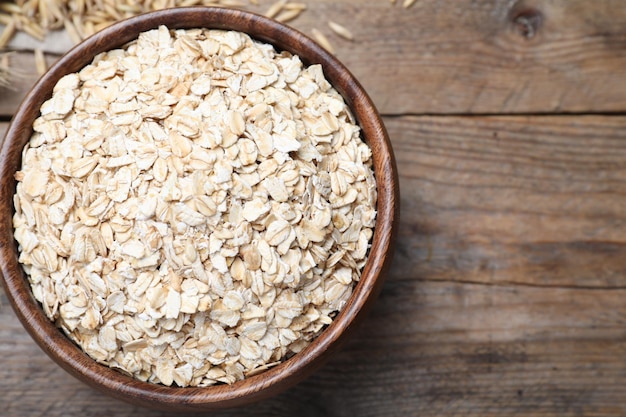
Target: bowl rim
point(268, 383)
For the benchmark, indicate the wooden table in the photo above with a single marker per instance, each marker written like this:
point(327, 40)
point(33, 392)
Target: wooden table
point(507, 295)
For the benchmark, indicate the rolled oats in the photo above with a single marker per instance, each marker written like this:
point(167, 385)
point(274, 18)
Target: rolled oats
point(195, 207)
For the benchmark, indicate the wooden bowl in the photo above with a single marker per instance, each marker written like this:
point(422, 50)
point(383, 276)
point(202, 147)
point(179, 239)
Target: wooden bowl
point(274, 380)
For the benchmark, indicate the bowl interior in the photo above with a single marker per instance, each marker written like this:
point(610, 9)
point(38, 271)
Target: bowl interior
point(276, 379)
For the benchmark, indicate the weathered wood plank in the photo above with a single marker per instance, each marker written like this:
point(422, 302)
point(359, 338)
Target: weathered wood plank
point(428, 349)
point(485, 56)
point(529, 200)
point(25, 75)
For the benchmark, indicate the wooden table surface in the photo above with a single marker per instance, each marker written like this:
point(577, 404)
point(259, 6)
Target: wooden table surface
point(507, 295)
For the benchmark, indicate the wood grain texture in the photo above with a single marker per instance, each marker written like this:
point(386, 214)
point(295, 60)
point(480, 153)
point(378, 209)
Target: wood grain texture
point(427, 349)
point(527, 200)
point(506, 296)
point(483, 56)
point(489, 56)
point(24, 76)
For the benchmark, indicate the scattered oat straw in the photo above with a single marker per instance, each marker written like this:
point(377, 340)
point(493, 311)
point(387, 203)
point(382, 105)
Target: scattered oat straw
point(322, 40)
point(7, 34)
point(275, 8)
point(40, 61)
point(340, 30)
point(288, 15)
point(85, 17)
point(295, 6)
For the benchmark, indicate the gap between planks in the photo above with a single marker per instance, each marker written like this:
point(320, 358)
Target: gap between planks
point(504, 284)
point(505, 114)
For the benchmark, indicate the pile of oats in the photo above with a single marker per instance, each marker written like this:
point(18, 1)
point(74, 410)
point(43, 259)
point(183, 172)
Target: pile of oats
point(194, 208)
